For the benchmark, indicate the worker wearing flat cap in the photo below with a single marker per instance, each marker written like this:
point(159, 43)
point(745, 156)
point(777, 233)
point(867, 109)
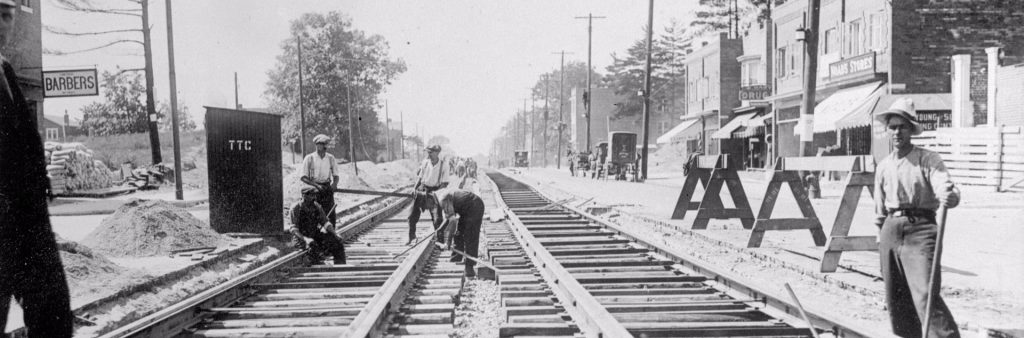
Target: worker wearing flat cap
point(322, 168)
point(30, 265)
point(311, 228)
point(431, 176)
point(463, 213)
point(910, 184)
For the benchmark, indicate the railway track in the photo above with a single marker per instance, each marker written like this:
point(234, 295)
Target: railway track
point(618, 285)
point(375, 294)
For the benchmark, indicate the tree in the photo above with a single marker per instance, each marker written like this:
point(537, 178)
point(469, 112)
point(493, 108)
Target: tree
point(337, 60)
point(668, 52)
point(87, 7)
point(123, 111)
point(575, 77)
point(185, 121)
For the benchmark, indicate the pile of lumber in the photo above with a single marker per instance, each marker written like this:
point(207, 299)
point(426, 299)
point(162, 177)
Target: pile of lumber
point(72, 167)
point(150, 177)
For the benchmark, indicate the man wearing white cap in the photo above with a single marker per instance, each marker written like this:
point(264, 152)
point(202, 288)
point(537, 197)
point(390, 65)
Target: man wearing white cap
point(30, 266)
point(910, 184)
point(432, 175)
point(322, 168)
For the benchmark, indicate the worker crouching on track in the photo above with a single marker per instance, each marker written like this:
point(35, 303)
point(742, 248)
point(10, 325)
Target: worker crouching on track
point(311, 228)
point(910, 184)
point(463, 213)
point(322, 168)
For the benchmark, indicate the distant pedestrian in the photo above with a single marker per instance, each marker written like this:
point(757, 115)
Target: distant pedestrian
point(311, 228)
point(464, 213)
point(910, 184)
point(691, 162)
point(431, 176)
point(322, 168)
point(572, 165)
point(30, 267)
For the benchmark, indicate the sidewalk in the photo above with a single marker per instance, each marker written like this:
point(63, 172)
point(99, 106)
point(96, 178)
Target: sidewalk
point(983, 260)
point(101, 206)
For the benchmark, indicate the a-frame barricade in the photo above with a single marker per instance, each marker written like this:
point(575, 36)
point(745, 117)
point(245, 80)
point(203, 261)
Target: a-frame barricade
point(861, 175)
point(786, 172)
point(696, 174)
point(723, 173)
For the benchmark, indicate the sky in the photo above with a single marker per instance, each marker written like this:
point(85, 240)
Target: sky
point(470, 63)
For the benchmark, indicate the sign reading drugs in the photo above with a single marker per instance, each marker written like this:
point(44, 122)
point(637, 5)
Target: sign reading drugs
point(67, 83)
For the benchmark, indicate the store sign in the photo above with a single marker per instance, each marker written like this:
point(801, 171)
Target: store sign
point(66, 83)
point(757, 92)
point(861, 64)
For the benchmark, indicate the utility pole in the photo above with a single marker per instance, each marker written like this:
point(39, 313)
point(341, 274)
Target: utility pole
point(302, 111)
point(810, 78)
point(147, 43)
point(587, 95)
point(544, 132)
point(561, 103)
point(178, 193)
point(647, 92)
point(525, 122)
point(236, 90)
point(387, 132)
point(351, 140)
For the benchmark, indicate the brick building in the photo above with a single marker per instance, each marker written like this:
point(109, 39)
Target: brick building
point(713, 83)
point(25, 52)
point(871, 53)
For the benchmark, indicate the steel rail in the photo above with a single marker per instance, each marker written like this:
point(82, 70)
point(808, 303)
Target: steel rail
point(188, 312)
point(736, 286)
point(593, 319)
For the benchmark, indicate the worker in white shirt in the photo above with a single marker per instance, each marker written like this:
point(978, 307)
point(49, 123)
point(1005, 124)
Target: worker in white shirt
point(322, 168)
point(432, 175)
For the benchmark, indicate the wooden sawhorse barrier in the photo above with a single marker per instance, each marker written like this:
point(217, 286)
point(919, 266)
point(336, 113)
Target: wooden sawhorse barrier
point(788, 170)
point(713, 172)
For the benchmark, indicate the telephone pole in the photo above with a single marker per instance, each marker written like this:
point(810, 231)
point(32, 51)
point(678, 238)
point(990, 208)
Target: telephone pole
point(302, 111)
point(647, 93)
point(587, 95)
point(561, 103)
point(351, 143)
point(178, 193)
point(544, 132)
point(810, 78)
point(236, 91)
point(387, 132)
point(151, 120)
point(401, 132)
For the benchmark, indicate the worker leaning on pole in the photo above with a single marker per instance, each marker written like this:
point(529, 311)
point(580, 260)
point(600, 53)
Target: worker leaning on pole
point(910, 184)
point(322, 168)
point(431, 176)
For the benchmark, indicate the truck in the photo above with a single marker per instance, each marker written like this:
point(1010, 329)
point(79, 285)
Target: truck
point(621, 154)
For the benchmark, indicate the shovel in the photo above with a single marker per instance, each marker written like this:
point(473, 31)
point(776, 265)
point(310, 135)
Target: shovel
point(940, 220)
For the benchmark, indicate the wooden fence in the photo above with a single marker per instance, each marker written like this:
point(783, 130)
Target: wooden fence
point(990, 156)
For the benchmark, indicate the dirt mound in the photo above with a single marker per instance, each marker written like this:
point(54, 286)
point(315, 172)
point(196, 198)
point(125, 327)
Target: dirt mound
point(389, 175)
point(150, 228)
point(87, 270)
point(669, 158)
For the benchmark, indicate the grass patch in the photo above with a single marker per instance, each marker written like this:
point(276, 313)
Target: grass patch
point(116, 149)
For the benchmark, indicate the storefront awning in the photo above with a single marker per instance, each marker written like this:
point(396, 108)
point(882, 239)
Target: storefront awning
point(844, 102)
point(754, 126)
point(679, 129)
point(728, 128)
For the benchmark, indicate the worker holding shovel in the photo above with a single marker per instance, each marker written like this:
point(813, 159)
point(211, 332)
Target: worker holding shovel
point(910, 184)
point(311, 228)
point(463, 212)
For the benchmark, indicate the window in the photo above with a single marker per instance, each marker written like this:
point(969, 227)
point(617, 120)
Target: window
point(875, 38)
point(853, 36)
point(792, 62)
point(750, 73)
point(52, 134)
point(26, 5)
point(831, 42)
point(780, 63)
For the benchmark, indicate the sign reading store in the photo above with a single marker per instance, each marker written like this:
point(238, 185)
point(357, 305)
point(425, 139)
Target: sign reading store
point(857, 65)
point(68, 83)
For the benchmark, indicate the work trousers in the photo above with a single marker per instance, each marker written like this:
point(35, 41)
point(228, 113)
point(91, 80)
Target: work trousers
point(31, 269)
point(907, 246)
point(414, 215)
point(323, 245)
point(467, 235)
point(325, 197)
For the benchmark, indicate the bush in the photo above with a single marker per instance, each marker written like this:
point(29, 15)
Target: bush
point(116, 149)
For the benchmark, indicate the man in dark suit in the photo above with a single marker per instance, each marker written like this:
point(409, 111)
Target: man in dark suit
point(30, 265)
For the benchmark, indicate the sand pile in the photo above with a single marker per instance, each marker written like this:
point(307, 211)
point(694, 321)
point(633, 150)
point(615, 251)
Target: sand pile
point(150, 228)
point(87, 270)
point(390, 175)
point(669, 158)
